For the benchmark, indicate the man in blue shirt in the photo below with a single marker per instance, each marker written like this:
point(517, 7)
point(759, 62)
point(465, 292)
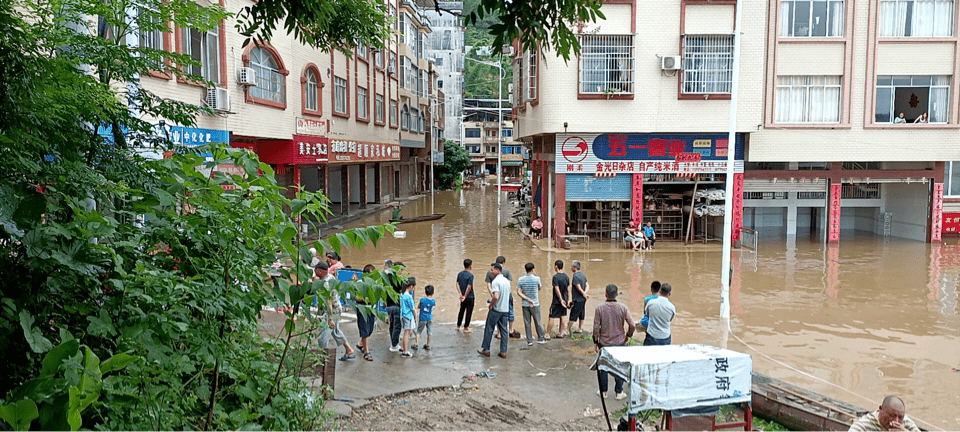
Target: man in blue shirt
point(650, 234)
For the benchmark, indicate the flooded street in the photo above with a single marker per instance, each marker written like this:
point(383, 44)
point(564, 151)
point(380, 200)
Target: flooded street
point(868, 317)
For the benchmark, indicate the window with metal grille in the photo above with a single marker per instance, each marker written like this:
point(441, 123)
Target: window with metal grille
point(204, 47)
point(817, 18)
point(339, 95)
point(532, 75)
point(808, 99)
point(378, 107)
point(310, 93)
point(362, 102)
point(707, 64)
point(270, 82)
point(606, 64)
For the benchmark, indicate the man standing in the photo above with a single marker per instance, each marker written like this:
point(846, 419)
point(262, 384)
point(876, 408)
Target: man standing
point(890, 416)
point(608, 321)
point(465, 290)
point(661, 312)
point(331, 311)
point(580, 288)
point(506, 274)
point(497, 317)
point(528, 286)
point(558, 308)
point(393, 306)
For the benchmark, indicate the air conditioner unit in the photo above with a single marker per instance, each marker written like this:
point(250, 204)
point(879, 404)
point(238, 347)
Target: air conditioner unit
point(508, 50)
point(218, 98)
point(670, 63)
point(391, 70)
point(247, 76)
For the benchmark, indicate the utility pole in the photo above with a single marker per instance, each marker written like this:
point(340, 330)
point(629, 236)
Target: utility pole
point(731, 159)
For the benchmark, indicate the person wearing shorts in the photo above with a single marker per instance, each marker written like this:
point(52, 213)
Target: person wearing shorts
point(425, 321)
point(558, 307)
point(578, 293)
point(408, 321)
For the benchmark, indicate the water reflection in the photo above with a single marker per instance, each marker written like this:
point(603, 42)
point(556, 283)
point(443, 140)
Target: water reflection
point(875, 316)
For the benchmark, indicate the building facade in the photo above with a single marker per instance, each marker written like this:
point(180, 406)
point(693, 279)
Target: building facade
point(445, 47)
point(356, 127)
point(480, 139)
point(637, 127)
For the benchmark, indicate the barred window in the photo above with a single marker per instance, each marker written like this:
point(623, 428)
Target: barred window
point(340, 95)
point(606, 64)
point(707, 64)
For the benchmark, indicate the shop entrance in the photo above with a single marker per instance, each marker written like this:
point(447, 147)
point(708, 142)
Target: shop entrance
point(685, 208)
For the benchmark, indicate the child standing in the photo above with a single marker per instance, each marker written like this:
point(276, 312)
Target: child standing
point(408, 320)
point(425, 320)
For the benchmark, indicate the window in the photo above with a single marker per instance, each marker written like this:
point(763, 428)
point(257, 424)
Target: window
point(532, 76)
point(205, 49)
point(311, 93)
point(421, 123)
point(471, 133)
point(951, 179)
point(378, 58)
point(393, 61)
point(393, 113)
point(707, 64)
point(270, 82)
point(913, 96)
point(362, 102)
point(405, 118)
point(817, 18)
point(151, 34)
point(403, 27)
point(491, 133)
point(379, 108)
point(606, 64)
point(507, 133)
point(808, 99)
point(340, 95)
point(362, 52)
point(414, 120)
point(917, 18)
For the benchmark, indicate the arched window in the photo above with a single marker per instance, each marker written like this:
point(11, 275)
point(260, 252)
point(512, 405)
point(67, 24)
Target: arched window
point(405, 118)
point(311, 92)
point(270, 82)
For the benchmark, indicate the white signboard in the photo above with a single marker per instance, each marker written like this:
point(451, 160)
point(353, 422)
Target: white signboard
point(313, 127)
point(679, 376)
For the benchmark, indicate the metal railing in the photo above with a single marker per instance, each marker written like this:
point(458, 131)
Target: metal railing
point(765, 195)
point(860, 191)
point(811, 195)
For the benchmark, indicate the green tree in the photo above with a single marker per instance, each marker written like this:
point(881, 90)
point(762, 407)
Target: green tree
point(455, 160)
point(154, 266)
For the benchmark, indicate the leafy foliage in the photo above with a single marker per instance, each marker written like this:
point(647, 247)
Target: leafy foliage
point(535, 23)
point(156, 266)
point(455, 160)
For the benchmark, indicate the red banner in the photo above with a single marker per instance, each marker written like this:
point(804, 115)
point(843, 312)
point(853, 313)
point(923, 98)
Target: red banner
point(834, 232)
point(951, 224)
point(342, 151)
point(737, 198)
point(636, 203)
point(302, 150)
point(936, 214)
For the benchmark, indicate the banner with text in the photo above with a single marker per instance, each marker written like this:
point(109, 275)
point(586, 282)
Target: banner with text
point(646, 153)
point(342, 151)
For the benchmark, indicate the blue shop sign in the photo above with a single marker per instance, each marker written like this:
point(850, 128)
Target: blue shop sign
point(180, 135)
point(626, 147)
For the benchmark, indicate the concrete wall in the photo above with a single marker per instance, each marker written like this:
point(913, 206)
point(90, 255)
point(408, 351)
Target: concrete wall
point(909, 204)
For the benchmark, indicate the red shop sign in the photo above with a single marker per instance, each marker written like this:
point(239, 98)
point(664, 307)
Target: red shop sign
point(302, 150)
point(951, 223)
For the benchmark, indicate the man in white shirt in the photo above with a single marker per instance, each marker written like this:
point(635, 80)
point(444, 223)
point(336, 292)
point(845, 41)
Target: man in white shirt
point(497, 316)
point(661, 313)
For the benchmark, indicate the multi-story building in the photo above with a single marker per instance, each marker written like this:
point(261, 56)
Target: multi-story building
point(444, 46)
point(355, 127)
point(480, 139)
point(636, 127)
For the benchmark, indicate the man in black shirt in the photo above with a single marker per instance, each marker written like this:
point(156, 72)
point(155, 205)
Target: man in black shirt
point(558, 308)
point(467, 298)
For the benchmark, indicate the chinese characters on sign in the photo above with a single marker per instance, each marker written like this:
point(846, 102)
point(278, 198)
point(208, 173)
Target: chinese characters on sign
point(834, 231)
point(348, 151)
point(192, 137)
point(307, 126)
point(936, 213)
point(645, 153)
point(636, 201)
point(656, 146)
point(310, 149)
point(951, 223)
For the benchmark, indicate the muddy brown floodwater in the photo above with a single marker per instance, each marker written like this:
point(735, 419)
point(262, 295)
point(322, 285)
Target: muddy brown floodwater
point(855, 321)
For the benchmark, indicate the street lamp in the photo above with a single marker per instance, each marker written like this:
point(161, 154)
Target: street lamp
point(499, 132)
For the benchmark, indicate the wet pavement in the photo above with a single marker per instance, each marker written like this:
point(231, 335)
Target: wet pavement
point(855, 322)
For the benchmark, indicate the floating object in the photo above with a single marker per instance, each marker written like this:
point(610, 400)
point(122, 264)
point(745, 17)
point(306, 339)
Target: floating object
point(399, 234)
point(431, 217)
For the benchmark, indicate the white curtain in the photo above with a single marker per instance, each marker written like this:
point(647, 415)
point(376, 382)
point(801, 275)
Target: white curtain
point(836, 13)
point(939, 99)
point(786, 10)
point(893, 18)
point(923, 16)
point(943, 21)
point(802, 99)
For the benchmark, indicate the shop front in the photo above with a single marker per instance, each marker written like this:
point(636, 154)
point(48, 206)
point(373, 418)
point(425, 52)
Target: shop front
point(356, 173)
point(300, 163)
point(602, 182)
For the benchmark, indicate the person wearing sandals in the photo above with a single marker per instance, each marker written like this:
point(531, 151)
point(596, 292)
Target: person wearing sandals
point(578, 307)
point(331, 314)
point(407, 318)
point(365, 323)
point(558, 307)
point(425, 320)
